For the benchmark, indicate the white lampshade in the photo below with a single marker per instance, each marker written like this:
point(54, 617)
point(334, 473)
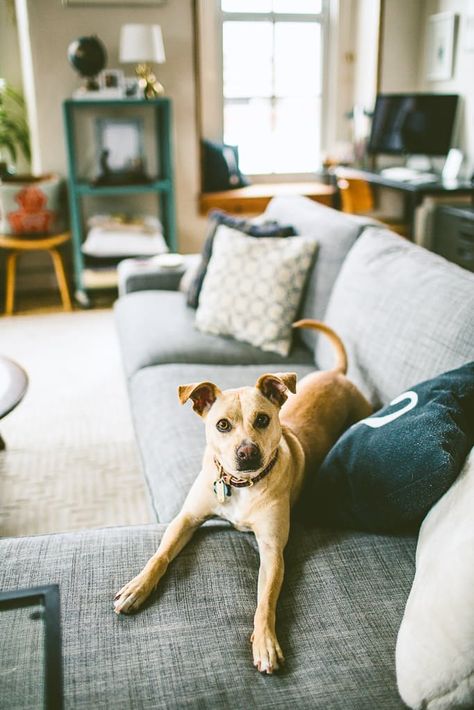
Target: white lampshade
point(141, 43)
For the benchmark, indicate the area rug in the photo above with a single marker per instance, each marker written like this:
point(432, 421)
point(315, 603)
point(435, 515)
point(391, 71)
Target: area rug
point(71, 460)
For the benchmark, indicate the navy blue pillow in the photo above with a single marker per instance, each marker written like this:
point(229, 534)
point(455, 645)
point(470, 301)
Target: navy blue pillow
point(220, 167)
point(216, 218)
point(387, 471)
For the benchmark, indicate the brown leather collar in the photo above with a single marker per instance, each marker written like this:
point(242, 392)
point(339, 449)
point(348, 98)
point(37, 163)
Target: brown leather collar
point(232, 480)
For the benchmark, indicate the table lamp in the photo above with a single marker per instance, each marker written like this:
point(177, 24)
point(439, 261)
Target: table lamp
point(142, 44)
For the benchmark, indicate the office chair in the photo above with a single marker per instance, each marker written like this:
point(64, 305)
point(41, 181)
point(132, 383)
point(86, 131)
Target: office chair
point(357, 198)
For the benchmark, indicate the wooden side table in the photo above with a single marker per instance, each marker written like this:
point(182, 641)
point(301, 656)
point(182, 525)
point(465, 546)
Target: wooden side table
point(13, 386)
point(253, 199)
point(17, 244)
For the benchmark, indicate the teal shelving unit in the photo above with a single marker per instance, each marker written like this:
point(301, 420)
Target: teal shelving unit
point(162, 184)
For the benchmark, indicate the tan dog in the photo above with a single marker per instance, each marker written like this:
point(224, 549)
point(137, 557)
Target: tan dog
point(258, 448)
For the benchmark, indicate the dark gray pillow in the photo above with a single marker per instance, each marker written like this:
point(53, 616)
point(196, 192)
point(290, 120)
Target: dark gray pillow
point(387, 471)
point(220, 167)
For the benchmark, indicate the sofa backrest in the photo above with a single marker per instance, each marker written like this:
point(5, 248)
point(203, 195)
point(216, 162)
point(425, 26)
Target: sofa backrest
point(405, 315)
point(335, 233)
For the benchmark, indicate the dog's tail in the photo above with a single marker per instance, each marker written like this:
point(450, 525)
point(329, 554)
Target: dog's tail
point(341, 364)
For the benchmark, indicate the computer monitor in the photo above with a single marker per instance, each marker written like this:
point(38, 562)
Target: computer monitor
point(414, 124)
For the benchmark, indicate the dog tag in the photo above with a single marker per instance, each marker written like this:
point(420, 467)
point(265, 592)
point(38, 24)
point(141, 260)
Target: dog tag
point(222, 490)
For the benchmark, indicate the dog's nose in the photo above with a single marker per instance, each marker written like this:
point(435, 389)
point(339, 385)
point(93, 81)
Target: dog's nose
point(248, 455)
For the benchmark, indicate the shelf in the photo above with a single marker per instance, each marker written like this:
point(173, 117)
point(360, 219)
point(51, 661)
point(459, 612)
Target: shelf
point(97, 278)
point(117, 102)
point(160, 187)
point(86, 188)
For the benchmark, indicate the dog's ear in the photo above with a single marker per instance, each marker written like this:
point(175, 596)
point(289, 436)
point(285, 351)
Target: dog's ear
point(274, 386)
point(203, 394)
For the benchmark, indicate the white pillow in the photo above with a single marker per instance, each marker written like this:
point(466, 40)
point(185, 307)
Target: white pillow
point(253, 288)
point(435, 645)
point(102, 242)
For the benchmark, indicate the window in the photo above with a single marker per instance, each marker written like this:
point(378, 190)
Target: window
point(272, 83)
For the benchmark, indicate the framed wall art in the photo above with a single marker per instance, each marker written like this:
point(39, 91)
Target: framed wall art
point(441, 41)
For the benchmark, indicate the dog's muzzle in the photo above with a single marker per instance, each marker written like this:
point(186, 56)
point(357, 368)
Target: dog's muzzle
point(248, 457)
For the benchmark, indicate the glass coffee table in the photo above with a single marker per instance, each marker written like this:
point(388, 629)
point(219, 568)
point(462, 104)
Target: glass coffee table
point(13, 385)
point(30, 648)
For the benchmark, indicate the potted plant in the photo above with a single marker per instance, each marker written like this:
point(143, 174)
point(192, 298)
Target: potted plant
point(29, 204)
point(14, 132)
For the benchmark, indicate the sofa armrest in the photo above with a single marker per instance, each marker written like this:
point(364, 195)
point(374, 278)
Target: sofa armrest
point(147, 275)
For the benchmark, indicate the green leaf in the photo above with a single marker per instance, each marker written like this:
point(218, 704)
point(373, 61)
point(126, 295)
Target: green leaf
point(14, 130)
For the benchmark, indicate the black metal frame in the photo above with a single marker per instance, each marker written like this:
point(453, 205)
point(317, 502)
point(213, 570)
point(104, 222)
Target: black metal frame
point(48, 596)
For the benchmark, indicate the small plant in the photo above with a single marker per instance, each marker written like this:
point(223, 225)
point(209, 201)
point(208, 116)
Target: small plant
point(14, 131)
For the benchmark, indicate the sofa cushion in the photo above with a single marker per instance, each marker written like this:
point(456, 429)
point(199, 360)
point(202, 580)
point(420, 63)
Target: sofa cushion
point(253, 288)
point(404, 314)
point(171, 437)
point(340, 608)
point(387, 471)
point(216, 218)
point(220, 167)
point(435, 645)
point(335, 233)
point(158, 328)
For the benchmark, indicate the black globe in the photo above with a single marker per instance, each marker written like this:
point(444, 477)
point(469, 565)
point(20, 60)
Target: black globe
point(87, 55)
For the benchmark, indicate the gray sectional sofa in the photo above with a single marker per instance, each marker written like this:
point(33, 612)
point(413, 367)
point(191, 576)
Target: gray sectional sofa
point(405, 315)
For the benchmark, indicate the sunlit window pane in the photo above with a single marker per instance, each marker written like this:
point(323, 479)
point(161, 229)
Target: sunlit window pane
point(296, 135)
point(297, 59)
point(247, 5)
point(248, 48)
point(249, 125)
point(281, 136)
point(295, 6)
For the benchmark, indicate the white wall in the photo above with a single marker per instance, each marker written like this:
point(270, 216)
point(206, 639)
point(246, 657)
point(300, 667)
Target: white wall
point(400, 45)
point(52, 28)
point(10, 65)
point(404, 59)
point(462, 81)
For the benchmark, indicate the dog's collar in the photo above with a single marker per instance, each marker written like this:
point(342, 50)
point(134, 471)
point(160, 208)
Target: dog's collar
point(225, 480)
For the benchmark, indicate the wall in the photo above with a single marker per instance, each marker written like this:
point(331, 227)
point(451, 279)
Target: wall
point(52, 27)
point(404, 59)
point(400, 45)
point(10, 68)
point(10, 65)
point(462, 81)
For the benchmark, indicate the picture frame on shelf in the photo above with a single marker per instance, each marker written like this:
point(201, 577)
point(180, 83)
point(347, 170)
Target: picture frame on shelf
point(112, 83)
point(441, 43)
point(120, 151)
point(131, 87)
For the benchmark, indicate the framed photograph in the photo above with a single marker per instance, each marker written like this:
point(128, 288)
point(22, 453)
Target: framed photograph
point(120, 151)
point(111, 79)
point(131, 87)
point(441, 39)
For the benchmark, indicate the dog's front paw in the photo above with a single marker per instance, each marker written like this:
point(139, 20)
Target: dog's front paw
point(267, 654)
point(132, 595)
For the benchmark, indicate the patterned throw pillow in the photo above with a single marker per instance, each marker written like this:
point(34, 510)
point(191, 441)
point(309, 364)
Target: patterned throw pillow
point(253, 288)
point(267, 228)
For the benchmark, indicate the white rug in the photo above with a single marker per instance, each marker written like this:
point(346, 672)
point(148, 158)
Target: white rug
point(71, 460)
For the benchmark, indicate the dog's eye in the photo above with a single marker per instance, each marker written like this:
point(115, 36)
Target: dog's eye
point(262, 421)
point(224, 425)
